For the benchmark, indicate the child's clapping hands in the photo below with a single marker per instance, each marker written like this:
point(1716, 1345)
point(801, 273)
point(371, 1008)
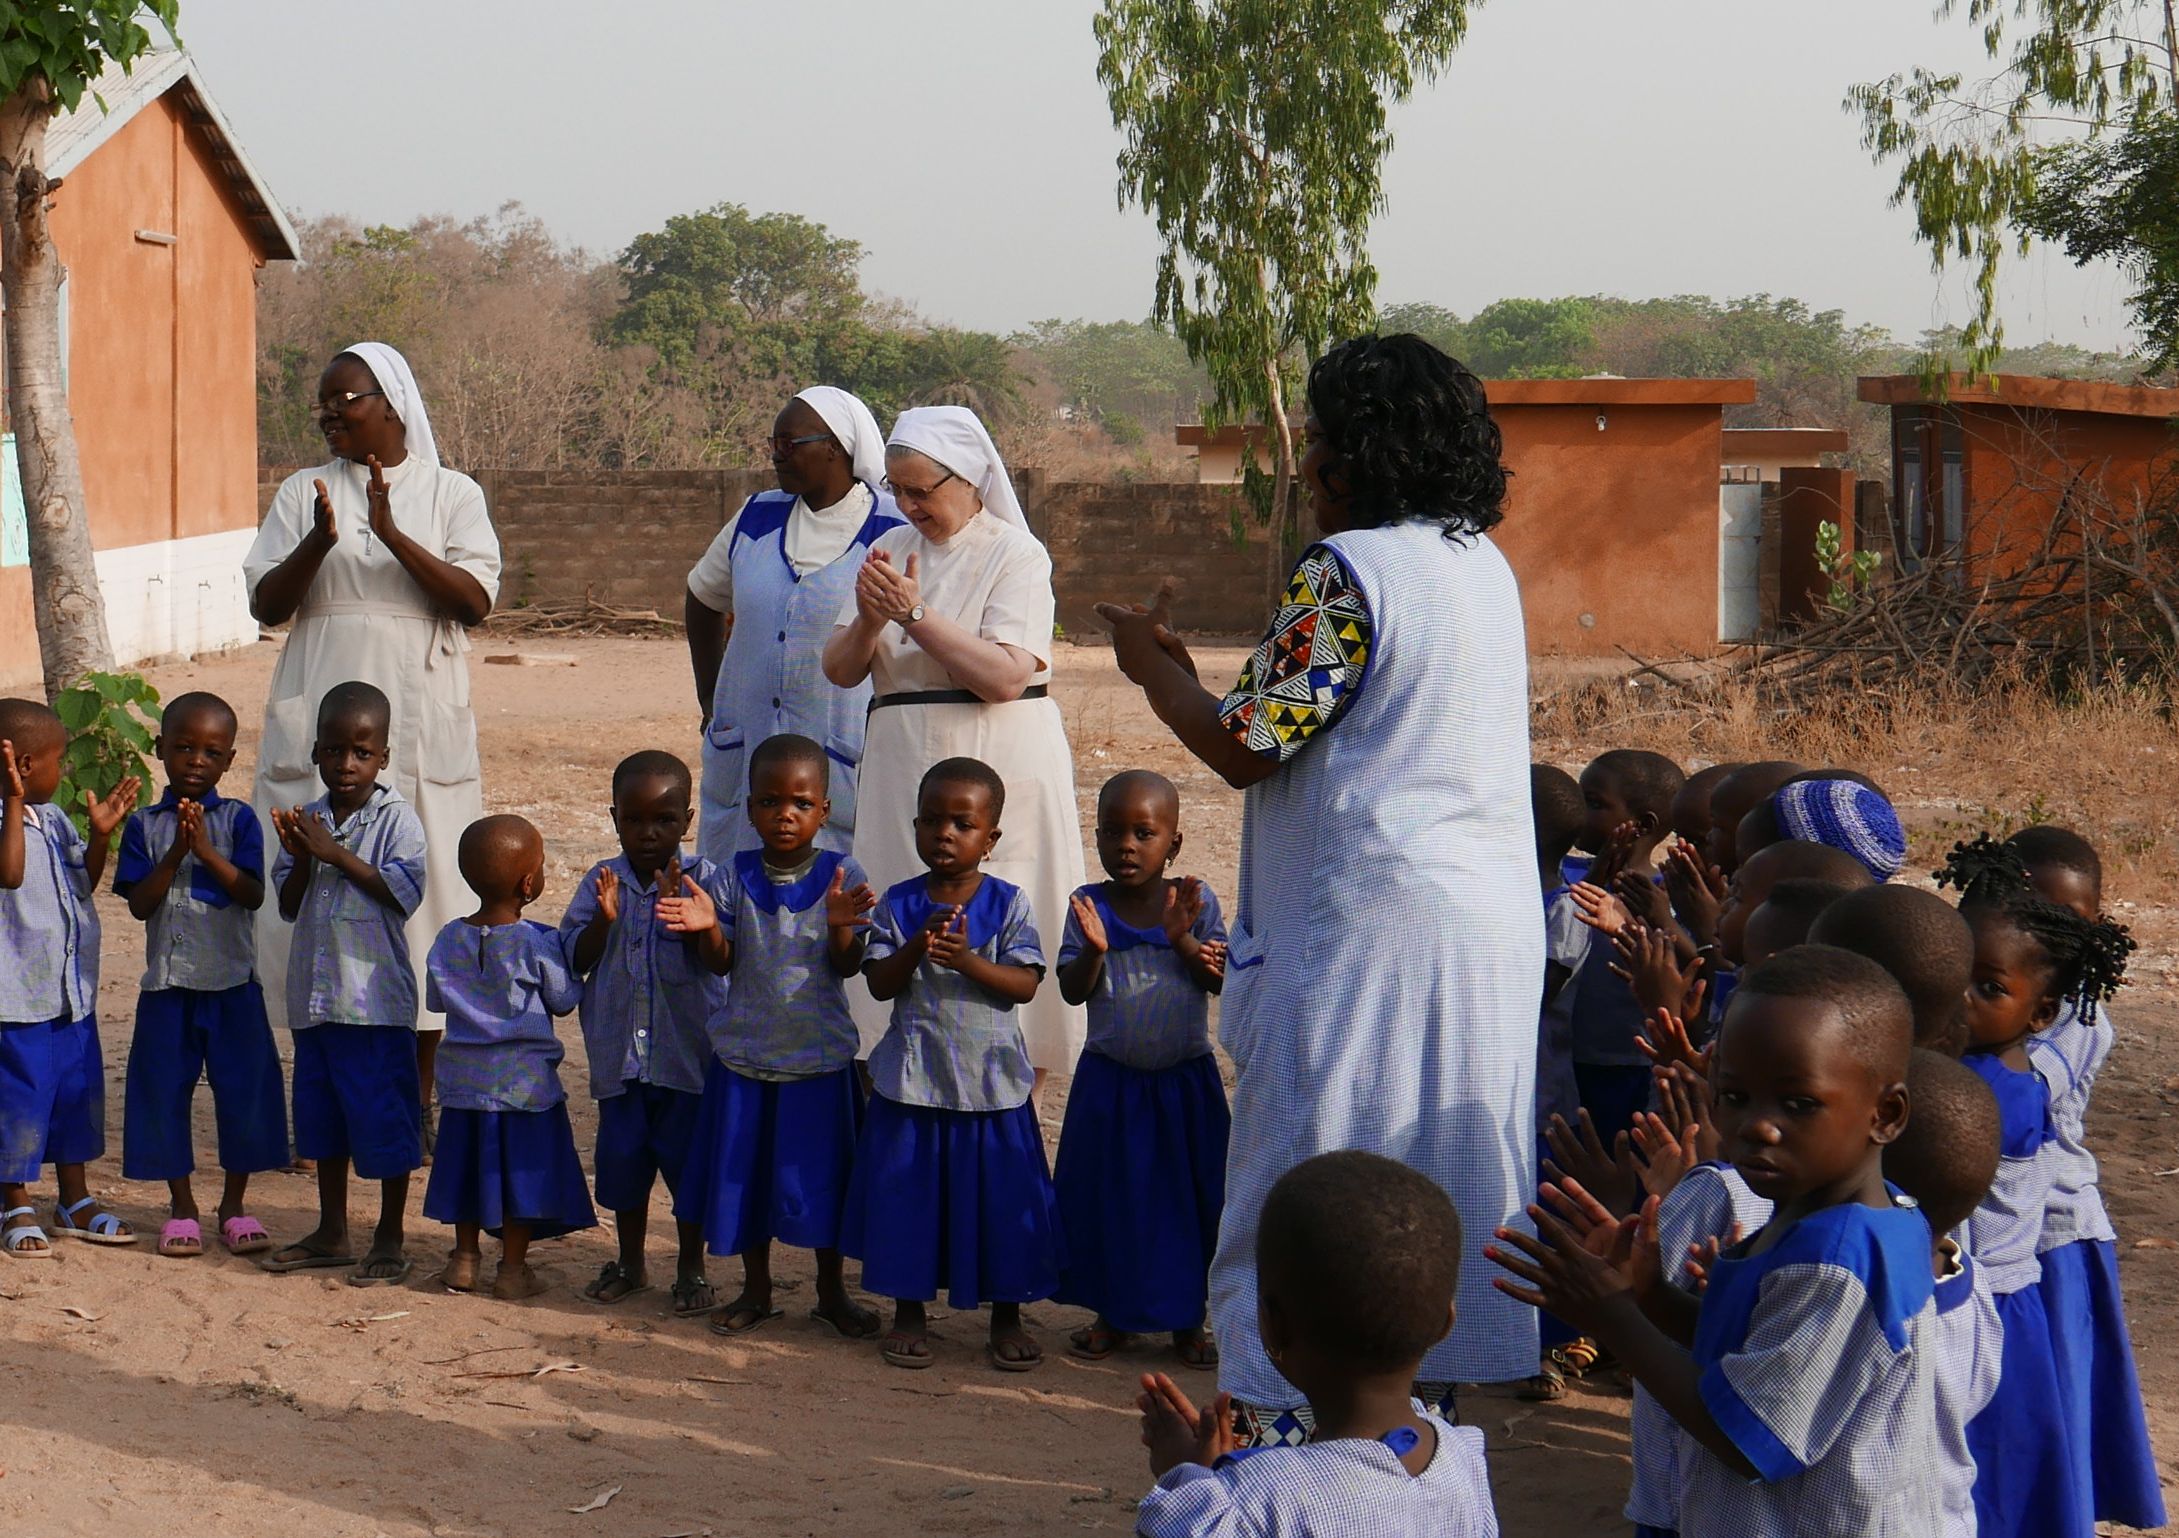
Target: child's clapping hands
point(1176, 1432)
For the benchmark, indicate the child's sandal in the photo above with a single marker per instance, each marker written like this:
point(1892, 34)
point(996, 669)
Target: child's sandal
point(17, 1241)
point(181, 1239)
point(1547, 1387)
point(900, 1348)
point(103, 1227)
point(1577, 1357)
point(1094, 1342)
point(244, 1235)
point(693, 1298)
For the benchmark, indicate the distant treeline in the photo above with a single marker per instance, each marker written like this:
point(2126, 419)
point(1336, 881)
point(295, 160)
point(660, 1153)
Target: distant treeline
point(678, 352)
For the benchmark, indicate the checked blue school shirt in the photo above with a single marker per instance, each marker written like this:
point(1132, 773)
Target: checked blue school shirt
point(2004, 1229)
point(1814, 1358)
point(786, 1014)
point(1967, 1338)
point(48, 930)
point(499, 986)
point(349, 961)
point(648, 1004)
point(199, 938)
point(951, 1045)
point(2067, 1057)
point(1147, 1011)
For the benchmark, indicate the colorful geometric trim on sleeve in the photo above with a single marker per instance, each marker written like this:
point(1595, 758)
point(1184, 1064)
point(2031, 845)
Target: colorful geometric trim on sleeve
point(1309, 664)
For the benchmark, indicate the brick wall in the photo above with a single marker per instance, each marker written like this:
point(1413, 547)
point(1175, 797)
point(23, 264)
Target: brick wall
point(628, 538)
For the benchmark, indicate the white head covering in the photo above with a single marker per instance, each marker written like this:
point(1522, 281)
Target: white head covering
point(391, 370)
point(851, 423)
point(953, 437)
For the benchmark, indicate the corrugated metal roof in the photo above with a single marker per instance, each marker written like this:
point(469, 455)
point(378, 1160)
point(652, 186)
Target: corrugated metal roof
point(75, 136)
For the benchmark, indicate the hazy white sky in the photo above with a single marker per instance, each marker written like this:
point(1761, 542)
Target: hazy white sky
point(1634, 147)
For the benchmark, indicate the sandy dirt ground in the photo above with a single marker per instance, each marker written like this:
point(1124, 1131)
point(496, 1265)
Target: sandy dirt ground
point(147, 1395)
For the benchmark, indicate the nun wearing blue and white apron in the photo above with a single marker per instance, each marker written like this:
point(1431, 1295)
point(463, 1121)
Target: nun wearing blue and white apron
point(760, 608)
point(382, 578)
point(1388, 946)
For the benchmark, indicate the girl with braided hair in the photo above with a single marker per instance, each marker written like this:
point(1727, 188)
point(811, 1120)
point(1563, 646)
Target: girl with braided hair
point(2033, 957)
point(2097, 1382)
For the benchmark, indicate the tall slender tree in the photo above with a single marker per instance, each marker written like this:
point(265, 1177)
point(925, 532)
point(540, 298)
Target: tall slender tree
point(50, 53)
point(1256, 137)
point(1969, 151)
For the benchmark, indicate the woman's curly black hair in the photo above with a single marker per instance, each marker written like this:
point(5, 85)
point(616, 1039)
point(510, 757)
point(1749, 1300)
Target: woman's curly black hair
point(2087, 956)
point(1412, 433)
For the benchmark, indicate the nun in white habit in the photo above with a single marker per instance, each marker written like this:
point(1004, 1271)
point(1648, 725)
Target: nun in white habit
point(383, 559)
point(951, 621)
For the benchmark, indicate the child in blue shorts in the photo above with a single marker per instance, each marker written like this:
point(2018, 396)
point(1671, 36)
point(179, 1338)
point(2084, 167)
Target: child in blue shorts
point(775, 1140)
point(506, 1163)
point(52, 1077)
point(192, 870)
point(643, 934)
point(349, 873)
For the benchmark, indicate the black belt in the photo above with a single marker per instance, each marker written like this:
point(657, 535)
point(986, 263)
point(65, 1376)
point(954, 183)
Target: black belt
point(951, 697)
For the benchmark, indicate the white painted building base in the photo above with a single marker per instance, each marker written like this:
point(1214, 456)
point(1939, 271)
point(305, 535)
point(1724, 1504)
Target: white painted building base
point(1739, 560)
point(176, 597)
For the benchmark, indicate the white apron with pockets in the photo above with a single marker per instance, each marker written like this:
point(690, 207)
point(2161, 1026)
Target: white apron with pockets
point(994, 580)
point(771, 680)
point(1387, 952)
point(365, 619)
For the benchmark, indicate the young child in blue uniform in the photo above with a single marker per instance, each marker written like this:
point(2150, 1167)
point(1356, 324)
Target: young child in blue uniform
point(349, 873)
point(52, 1075)
point(951, 1189)
point(1946, 1160)
point(643, 933)
point(506, 1162)
point(2032, 957)
point(775, 1136)
point(1627, 791)
point(192, 870)
point(1923, 942)
point(1142, 1154)
point(2097, 1381)
point(1356, 1261)
point(1802, 1376)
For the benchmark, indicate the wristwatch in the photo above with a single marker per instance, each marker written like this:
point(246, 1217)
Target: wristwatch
point(915, 617)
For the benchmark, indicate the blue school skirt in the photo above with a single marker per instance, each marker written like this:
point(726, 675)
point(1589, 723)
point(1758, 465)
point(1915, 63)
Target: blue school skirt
point(770, 1160)
point(493, 1168)
point(52, 1097)
point(1141, 1182)
point(1613, 1095)
point(2114, 1468)
point(187, 1034)
point(954, 1200)
point(2023, 1469)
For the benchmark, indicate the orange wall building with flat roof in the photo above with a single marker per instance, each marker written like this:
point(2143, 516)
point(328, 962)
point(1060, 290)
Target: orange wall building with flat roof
point(1982, 468)
point(162, 226)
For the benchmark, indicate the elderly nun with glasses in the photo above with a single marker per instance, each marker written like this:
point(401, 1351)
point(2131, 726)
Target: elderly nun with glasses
point(950, 624)
point(382, 559)
point(760, 609)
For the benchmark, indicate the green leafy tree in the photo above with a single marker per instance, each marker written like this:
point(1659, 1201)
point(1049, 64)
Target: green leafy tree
point(1533, 339)
point(2117, 198)
point(727, 272)
point(1435, 324)
point(1255, 138)
point(1970, 152)
point(1114, 372)
point(50, 53)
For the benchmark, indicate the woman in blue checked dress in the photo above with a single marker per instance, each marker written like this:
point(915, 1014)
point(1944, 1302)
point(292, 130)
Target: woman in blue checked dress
point(1387, 946)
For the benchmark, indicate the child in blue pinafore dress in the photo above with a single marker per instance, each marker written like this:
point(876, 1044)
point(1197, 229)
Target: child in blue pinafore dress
point(2031, 958)
point(1142, 1155)
point(2113, 1463)
point(775, 1136)
point(951, 1188)
point(506, 1162)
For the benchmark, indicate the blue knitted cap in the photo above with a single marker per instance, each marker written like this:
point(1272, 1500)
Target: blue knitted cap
point(1845, 816)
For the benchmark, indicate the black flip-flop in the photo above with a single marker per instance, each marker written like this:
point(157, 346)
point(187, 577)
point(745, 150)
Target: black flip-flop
point(313, 1258)
point(613, 1271)
point(894, 1357)
point(722, 1316)
point(877, 1325)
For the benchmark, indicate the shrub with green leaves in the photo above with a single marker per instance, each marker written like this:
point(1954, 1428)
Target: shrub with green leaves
point(112, 724)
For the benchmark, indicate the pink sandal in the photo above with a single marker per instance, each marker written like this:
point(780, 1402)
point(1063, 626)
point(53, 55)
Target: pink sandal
point(244, 1235)
point(181, 1239)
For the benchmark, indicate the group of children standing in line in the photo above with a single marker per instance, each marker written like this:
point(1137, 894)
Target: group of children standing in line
point(715, 1017)
point(1817, 1182)
point(1816, 1178)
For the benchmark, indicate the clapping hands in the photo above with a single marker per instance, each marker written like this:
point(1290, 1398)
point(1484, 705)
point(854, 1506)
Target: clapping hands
point(1176, 1432)
point(846, 907)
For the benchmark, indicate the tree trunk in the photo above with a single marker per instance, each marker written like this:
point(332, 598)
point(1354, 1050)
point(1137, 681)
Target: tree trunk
point(1276, 560)
point(65, 597)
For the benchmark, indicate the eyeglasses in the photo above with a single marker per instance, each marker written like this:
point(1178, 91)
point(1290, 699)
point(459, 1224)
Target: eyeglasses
point(345, 399)
point(780, 446)
point(900, 493)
